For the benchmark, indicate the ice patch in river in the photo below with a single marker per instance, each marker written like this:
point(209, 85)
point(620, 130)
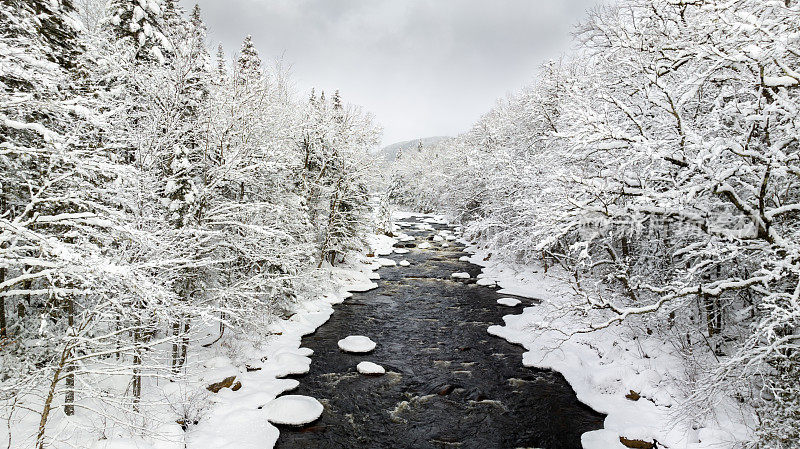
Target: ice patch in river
point(511, 302)
point(462, 275)
point(404, 263)
point(293, 410)
point(370, 368)
point(356, 344)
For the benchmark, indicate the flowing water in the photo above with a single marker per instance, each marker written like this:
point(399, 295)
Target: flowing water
point(449, 384)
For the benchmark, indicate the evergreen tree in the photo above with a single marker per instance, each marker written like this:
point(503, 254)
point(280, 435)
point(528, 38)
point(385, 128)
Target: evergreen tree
point(141, 25)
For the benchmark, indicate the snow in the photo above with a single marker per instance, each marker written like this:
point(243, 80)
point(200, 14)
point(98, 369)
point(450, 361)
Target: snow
point(370, 368)
point(603, 366)
point(386, 262)
point(424, 245)
point(381, 244)
point(241, 419)
point(401, 251)
point(511, 302)
point(462, 275)
point(356, 344)
point(404, 263)
point(293, 410)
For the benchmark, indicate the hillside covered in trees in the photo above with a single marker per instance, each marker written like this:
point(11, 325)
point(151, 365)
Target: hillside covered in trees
point(153, 197)
point(659, 165)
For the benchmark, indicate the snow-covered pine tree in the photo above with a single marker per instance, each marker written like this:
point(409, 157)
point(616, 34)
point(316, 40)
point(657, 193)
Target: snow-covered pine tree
point(140, 24)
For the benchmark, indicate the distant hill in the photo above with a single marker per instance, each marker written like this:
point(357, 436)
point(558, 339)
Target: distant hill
point(390, 152)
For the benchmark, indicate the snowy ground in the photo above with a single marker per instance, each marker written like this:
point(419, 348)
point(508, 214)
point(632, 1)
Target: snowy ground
point(240, 414)
point(605, 366)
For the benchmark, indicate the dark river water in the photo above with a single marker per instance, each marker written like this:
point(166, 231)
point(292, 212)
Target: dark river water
point(449, 384)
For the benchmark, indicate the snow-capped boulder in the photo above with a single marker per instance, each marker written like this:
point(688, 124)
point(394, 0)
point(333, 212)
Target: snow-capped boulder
point(370, 368)
point(511, 302)
point(293, 410)
point(462, 275)
point(404, 263)
point(357, 344)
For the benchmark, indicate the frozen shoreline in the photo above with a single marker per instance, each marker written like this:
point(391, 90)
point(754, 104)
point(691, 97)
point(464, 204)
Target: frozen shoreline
point(606, 365)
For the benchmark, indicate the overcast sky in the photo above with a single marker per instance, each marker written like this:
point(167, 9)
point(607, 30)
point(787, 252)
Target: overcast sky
point(423, 67)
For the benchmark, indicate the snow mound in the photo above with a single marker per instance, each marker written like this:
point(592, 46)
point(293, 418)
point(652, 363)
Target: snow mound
point(404, 263)
point(424, 245)
point(438, 238)
point(486, 282)
point(462, 275)
point(293, 410)
point(381, 244)
point(511, 302)
point(386, 262)
point(288, 363)
point(356, 344)
point(400, 251)
point(370, 368)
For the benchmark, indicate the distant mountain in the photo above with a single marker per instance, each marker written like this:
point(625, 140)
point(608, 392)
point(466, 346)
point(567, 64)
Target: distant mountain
point(390, 152)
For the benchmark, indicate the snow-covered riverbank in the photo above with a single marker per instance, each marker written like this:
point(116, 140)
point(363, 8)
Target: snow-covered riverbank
point(635, 379)
point(223, 400)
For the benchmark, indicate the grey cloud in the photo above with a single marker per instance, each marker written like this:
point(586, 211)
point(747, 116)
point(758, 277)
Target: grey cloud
point(423, 67)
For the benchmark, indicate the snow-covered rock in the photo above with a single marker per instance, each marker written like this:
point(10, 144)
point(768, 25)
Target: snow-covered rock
point(356, 344)
point(461, 275)
point(400, 251)
point(404, 263)
point(424, 245)
point(386, 262)
point(511, 302)
point(438, 238)
point(370, 368)
point(293, 410)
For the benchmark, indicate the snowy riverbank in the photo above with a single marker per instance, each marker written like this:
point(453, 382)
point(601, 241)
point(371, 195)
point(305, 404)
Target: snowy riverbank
point(635, 379)
point(247, 373)
point(239, 419)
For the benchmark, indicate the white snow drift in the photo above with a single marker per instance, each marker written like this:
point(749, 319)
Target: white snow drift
point(356, 344)
point(370, 368)
point(293, 410)
point(511, 302)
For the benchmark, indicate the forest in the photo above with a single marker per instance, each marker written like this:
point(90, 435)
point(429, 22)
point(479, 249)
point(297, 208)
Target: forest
point(173, 213)
point(151, 191)
point(659, 165)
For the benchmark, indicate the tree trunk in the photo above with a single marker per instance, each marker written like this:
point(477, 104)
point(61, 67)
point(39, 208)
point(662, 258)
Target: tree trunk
point(3, 325)
point(137, 369)
point(69, 395)
point(48, 402)
point(184, 342)
point(176, 330)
